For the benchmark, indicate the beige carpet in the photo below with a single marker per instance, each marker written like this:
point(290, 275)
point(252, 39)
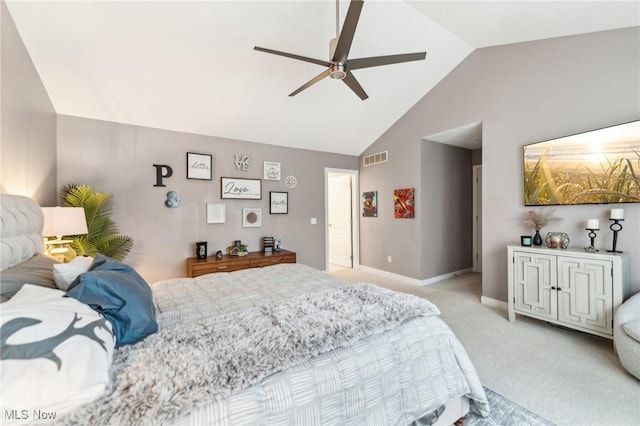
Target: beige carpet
point(567, 377)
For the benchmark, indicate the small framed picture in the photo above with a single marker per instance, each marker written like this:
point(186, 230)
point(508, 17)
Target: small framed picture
point(199, 166)
point(251, 218)
point(271, 171)
point(525, 240)
point(278, 202)
point(215, 213)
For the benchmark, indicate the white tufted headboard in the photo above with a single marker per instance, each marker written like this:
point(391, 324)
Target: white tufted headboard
point(21, 222)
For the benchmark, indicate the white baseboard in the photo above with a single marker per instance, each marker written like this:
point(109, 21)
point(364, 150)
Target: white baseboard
point(494, 303)
point(414, 281)
point(439, 278)
point(404, 279)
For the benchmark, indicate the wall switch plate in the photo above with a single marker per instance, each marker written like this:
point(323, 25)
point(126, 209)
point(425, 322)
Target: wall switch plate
point(314, 221)
point(389, 259)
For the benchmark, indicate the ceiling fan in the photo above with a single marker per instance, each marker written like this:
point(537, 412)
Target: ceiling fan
point(339, 67)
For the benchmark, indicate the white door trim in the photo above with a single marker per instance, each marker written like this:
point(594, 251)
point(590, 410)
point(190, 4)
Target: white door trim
point(355, 219)
point(477, 220)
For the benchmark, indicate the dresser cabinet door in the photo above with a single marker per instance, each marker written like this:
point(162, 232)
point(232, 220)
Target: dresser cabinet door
point(535, 284)
point(585, 296)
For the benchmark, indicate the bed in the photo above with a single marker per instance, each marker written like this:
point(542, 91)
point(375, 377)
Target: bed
point(284, 344)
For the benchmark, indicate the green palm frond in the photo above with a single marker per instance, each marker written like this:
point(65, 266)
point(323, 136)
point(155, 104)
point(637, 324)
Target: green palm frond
point(102, 236)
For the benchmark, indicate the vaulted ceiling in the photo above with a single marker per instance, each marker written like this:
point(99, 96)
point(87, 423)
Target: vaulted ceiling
point(190, 66)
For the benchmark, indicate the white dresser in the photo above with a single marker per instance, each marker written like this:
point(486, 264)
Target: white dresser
point(569, 287)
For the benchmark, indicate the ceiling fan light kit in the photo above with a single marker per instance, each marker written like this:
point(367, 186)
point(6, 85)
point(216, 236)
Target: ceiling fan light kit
point(339, 66)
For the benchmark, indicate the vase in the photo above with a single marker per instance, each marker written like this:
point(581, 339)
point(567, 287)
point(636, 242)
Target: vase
point(537, 239)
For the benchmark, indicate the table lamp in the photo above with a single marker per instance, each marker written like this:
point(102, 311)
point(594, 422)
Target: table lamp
point(59, 221)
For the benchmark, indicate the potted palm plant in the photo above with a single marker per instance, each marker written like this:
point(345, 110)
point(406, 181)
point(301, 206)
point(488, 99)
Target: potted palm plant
point(103, 234)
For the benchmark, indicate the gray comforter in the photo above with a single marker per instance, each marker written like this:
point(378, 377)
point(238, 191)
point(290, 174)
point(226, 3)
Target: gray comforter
point(286, 344)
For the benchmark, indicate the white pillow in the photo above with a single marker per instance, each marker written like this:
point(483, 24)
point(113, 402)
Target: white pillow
point(56, 354)
point(65, 273)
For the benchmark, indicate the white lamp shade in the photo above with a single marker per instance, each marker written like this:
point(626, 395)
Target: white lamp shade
point(64, 221)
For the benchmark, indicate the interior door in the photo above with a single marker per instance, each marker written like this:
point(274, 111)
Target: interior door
point(340, 244)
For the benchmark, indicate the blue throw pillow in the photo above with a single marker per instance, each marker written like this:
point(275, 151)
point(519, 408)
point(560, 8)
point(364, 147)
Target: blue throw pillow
point(121, 295)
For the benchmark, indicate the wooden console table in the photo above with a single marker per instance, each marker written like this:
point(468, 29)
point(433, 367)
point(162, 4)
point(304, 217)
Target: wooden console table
point(256, 259)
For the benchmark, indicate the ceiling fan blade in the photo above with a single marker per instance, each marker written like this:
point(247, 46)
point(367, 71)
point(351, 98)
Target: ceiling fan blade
point(311, 82)
point(348, 31)
point(353, 84)
point(292, 56)
point(376, 61)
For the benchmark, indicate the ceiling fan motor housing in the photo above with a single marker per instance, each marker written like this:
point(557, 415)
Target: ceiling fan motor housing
point(338, 71)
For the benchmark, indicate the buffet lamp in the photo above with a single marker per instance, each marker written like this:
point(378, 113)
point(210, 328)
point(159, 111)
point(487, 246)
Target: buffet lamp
point(59, 221)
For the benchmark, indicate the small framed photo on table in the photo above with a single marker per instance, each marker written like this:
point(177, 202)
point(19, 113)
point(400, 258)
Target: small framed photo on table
point(525, 240)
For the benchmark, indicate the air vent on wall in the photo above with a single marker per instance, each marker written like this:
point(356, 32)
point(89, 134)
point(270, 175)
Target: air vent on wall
point(380, 157)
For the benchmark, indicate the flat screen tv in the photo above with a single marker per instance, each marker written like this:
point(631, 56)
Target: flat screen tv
point(596, 167)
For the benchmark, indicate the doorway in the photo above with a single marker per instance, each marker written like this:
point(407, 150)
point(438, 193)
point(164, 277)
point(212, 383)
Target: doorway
point(341, 211)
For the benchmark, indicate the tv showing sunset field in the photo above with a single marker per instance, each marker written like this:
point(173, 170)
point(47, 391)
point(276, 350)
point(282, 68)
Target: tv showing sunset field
point(595, 167)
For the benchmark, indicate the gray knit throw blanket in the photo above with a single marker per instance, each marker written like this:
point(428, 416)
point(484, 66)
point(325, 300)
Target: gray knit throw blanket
point(178, 369)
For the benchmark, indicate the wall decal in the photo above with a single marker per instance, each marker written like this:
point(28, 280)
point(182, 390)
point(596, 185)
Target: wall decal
point(172, 200)
point(241, 162)
point(163, 171)
point(370, 204)
point(403, 202)
point(244, 189)
point(271, 171)
point(199, 166)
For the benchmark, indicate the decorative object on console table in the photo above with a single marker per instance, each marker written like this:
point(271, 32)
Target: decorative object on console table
point(557, 240)
point(59, 221)
point(593, 225)
point(219, 254)
point(201, 249)
point(277, 244)
point(237, 249)
point(228, 263)
point(536, 220)
point(525, 240)
point(267, 243)
point(617, 216)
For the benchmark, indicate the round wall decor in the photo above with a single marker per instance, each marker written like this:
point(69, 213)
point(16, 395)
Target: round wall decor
point(290, 181)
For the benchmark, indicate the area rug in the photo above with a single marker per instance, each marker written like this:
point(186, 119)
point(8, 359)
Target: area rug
point(504, 413)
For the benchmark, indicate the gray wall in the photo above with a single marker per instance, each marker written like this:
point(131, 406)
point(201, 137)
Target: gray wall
point(446, 203)
point(522, 93)
point(118, 158)
point(28, 135)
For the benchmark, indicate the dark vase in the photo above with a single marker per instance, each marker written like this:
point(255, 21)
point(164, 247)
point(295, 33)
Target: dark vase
point(537, 239)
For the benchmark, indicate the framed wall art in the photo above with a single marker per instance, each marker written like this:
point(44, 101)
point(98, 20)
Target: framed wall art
point(240, 188)
point(251, 218)
point(278, 202)
point(216, 213)
point(199, 166)
point(403, 203)
point(271, 171)
point(370, 204)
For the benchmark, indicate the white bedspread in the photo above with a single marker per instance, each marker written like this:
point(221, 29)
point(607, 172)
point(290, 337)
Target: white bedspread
point(389, 379)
